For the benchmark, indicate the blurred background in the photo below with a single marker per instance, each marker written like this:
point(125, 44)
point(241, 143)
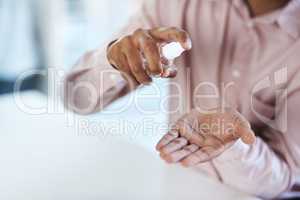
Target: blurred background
point(36, 34)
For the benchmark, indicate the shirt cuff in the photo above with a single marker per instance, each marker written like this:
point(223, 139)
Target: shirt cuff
point(236, 152)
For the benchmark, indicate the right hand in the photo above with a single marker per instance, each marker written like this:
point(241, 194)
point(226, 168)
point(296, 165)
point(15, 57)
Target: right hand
point(127, 53)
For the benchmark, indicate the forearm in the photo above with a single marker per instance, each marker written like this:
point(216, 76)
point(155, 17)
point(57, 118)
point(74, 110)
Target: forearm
point(93, 83)
point(254, 169)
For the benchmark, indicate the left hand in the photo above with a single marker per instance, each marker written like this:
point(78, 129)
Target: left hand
point(198, 137)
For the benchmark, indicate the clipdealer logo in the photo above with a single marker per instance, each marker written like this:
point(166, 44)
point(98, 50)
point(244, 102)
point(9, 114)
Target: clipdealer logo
point(276, 82)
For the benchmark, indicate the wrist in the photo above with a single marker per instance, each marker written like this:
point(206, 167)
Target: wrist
point(236, 152)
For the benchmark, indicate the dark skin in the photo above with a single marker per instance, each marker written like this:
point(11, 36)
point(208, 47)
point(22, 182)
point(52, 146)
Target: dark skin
point(261, 7)
point(124, 54)
point(189, 142)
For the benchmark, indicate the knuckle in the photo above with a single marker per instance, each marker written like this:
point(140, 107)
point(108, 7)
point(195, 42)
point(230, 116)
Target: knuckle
point(155, 71)
point(147, 40)
point(126, 40)
point(183, 141)
point(182, 35)
point(178, 141)
point(138, 32)
point(149, 46)
point(179, 33)
point(173, 29)
point(187, 148)
point(191, 148)
point(168, 137)
point(173, 132)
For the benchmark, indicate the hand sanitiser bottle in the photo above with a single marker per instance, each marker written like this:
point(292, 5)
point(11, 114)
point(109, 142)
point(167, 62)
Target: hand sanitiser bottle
point(171, 51)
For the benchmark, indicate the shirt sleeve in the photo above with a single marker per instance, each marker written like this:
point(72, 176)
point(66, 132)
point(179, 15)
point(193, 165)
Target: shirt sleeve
point(255, 169)
point(269, 167)
point(92, 84)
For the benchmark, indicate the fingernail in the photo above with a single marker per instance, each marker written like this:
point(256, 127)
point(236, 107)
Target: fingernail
point(169, 73)
point(248, 139)
point(188, 44)
point(165, 74)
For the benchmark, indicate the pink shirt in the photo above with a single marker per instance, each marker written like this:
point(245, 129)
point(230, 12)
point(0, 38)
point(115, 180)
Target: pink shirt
point(250, 64)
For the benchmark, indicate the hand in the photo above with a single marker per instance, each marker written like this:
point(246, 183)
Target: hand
point(127, 53)
point(197, 138)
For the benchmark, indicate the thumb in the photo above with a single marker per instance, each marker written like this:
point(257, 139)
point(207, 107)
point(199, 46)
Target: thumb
point(172, 34)
point(246, 134)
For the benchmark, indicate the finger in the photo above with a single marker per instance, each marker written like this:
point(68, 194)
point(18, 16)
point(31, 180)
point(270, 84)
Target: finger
point(180, 154)
point(169, 72)
point(190, 134)
point(115, 57)
point(166, 139)
point(165, 61)
point(172, 35)
point(173, 146)
point(244, 130)
point(150, 50)
point(129, 77)
point(123, 66)
point(203, 155)
point(135, 62)
point(247, 135)
point(190, 161)
point(137, 68)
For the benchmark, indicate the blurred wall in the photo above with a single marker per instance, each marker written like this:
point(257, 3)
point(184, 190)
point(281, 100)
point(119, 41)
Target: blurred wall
point(55, 33)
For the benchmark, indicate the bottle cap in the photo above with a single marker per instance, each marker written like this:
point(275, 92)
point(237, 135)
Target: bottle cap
point(172, 50)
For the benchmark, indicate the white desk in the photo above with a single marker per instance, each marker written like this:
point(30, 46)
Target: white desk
point(42, 158)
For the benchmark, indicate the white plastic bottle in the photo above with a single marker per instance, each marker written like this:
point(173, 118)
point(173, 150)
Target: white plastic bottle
point(169, 51)
point(172, 50)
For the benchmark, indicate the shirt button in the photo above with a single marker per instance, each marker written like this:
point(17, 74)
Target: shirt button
point(236, 73)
